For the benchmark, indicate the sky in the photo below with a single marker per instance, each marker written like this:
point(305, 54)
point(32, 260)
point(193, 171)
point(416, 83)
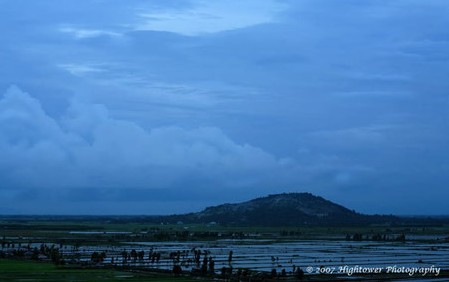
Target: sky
point(162, 107)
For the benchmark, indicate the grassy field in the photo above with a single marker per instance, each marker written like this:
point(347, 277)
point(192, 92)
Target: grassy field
point(41, 227)
point(19, 270)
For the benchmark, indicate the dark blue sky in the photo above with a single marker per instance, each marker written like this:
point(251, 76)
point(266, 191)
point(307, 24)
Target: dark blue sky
point(150, 107)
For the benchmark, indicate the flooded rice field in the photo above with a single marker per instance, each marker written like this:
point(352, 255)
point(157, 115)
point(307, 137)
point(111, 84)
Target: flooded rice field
point(223, 253)
point(312, 256)
point(265, 256)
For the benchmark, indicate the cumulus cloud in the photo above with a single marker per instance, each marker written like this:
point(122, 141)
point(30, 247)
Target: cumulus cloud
point(89, 148)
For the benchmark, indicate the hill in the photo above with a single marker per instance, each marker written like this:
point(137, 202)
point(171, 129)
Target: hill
point(282, 210)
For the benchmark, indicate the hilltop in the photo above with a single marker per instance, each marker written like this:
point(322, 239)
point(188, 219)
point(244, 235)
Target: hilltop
point(282, 209)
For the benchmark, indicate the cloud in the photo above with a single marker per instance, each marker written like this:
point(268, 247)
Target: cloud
point(211, 16)
point(80, 69)
point(352, 137)
point(359, 86)
point(373, 94)
point(80, 33)
point(89, 148)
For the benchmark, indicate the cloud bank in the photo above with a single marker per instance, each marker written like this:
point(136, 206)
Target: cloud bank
point(88, 148)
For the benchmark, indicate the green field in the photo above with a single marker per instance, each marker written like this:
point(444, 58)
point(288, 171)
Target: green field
point(20, 270)
point(60, 228)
